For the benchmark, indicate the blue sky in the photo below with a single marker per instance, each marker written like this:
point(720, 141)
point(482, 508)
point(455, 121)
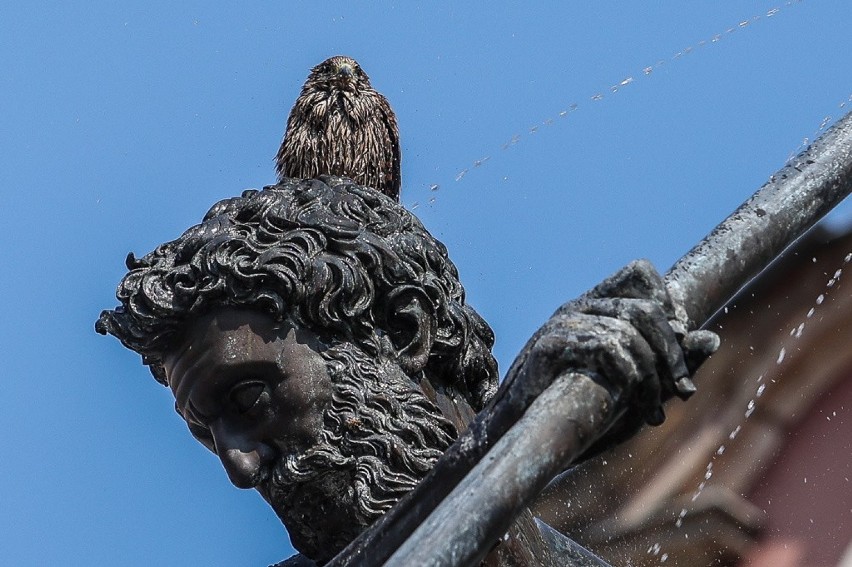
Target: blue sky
point(123, 122)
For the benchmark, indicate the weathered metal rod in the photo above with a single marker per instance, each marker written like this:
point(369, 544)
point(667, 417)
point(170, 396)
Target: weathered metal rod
point(794, 199)
point(518, 467)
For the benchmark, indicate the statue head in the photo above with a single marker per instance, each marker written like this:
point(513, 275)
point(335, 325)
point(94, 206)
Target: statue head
point(316, 338)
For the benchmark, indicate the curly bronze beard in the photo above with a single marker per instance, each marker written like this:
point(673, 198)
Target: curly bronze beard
point(340, 125)
point(381, 437)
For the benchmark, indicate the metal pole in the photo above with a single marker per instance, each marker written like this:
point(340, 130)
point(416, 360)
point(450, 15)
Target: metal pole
point(562, 422)
point(791, 202)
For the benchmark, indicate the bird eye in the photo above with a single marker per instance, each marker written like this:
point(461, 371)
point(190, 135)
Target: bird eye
point(246, 394)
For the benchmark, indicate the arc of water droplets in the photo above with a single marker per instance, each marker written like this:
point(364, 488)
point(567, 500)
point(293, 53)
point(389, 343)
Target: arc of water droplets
point(795, 333)
point(645, 72)
point(825, 122)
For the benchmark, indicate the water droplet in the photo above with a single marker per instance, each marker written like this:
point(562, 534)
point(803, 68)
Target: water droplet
point(432, 201)
point(479, 162)
point(515, 139)
point(760, 390)
point(721, 450)
point(799, 330)
point(598, 96)
point(847, 258)
point(735, 432)
point(434, 187)
point(810, 313)
point(820, 299)
point(664, 557)
point(648, 70)
point(461, 174)
point(772, 12)
point(781, 354)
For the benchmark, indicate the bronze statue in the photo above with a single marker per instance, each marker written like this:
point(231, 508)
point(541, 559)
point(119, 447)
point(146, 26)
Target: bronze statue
point(317, 339)
point(340, 125)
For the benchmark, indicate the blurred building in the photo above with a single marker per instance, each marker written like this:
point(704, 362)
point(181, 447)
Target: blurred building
point(755, 469)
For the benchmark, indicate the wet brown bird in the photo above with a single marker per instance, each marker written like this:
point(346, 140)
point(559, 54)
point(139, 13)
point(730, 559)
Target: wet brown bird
point(341, 125)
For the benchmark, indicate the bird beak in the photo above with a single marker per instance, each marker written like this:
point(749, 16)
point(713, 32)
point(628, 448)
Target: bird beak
point(345, 71)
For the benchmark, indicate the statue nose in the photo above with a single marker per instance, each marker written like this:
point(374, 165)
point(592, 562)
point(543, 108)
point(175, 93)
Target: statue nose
point(245, 461)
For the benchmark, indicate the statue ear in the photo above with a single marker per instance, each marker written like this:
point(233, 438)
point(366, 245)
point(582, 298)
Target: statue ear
point(410, 320)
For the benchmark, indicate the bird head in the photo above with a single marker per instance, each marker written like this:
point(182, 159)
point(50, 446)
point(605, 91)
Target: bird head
point(339, 73)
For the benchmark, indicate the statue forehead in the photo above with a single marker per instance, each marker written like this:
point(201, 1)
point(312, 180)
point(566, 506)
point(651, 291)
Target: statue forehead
point(227, 335)
point(233, 323)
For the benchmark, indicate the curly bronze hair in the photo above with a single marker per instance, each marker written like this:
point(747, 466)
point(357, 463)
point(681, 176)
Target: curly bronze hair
point(327, 253)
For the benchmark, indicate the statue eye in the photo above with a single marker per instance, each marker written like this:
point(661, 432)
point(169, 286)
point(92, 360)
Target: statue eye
point(246, 394)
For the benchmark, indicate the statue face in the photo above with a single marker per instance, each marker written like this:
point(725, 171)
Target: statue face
point(250, 389)
point(329, 436)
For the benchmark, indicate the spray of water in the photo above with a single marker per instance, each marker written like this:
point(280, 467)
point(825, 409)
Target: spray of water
point(794, 335)
point(620, 85)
